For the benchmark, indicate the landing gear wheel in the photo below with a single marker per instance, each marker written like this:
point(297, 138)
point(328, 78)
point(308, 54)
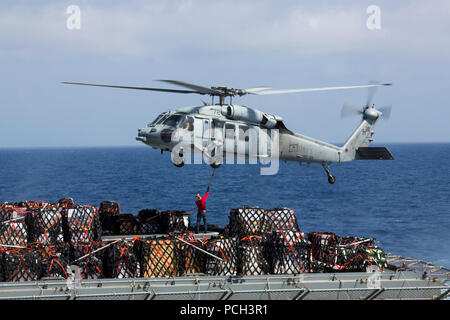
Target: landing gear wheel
point(331, 179)
point(179, 165)
point(215, 165)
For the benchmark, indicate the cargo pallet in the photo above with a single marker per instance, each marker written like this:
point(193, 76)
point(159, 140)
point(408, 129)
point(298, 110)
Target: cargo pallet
point(405, 279)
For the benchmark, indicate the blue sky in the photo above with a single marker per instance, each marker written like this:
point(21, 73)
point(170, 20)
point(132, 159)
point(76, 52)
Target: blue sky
point(245, 43)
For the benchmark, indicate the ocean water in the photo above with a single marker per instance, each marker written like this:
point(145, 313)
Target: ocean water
point(404, 204)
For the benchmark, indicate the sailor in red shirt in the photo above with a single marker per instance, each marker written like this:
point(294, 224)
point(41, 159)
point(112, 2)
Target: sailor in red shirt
point(201, 205)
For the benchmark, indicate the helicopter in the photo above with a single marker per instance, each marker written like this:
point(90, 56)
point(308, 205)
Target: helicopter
point(225, 130)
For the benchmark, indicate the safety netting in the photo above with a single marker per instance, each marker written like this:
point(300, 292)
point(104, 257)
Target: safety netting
point(252, 256)
point(288, 252)
point(121, 261)
point(226, 250)
point(82, 224)
point(45, 225)
point(89, 257)
point(158, 257)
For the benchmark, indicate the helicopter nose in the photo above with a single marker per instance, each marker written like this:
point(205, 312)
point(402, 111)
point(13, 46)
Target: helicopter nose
point(142, 134)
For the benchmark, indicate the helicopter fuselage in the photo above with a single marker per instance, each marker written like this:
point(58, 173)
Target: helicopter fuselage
point(240, 131)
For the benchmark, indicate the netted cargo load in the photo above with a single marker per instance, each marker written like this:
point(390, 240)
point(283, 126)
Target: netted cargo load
point(81, 224)
point(252, 257)
point(336, 253)
point(174, 221)
point(191, 254)
point(226, 249)
point(125, 224)
point(121, 262)
point(247, 221)
point(13, 229)
point(21, 264)
point(288, 252)
point(54, 260)
point(45, 225)
point(89, 258)
point(280, 219)
point(149, 221)
point(108, 210)
point(158, 257)
point(13, 233)
point(66, 203)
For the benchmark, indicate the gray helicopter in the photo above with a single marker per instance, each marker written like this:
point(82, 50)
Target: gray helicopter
point(225, 130)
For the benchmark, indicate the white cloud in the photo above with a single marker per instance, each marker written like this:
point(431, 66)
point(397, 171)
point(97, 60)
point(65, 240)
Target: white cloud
point(157, 28)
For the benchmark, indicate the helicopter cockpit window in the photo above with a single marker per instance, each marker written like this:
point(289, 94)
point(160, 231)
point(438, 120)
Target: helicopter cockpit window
point(173, 121)
point(158, 119)
point(187, 123)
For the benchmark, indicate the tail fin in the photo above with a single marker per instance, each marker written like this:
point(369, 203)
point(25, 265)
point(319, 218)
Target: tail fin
point(357, 146)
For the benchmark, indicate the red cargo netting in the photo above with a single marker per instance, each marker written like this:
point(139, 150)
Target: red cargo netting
point(121, 262)
point(251, 257)
point(45, 225)
point(82, 224)
point(288, 252)
point(158, 257)
point(225, 249)
point(89, 258)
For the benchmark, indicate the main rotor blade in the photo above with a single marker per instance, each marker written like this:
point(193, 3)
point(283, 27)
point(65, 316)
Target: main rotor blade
point(195, 87)
point(255, 89)
point(321, 89)
point(136, 88)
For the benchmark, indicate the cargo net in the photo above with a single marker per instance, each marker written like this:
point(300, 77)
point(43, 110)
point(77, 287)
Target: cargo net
point(82, 224)
point(247, 221)
point(280, 219)
point(158, 257)
point(89, 258)
point(173, 221)
point(225, 249)
point(13, 229)
point(66, 203)
point(330, 253)
point(121, 262)
point(21, 264)
point(54, 260)
point(288, 252)
point(251, 257)
point(125, 224)
point(45, 225)
point(149, 222)
point(191, 254)
point(107, 211)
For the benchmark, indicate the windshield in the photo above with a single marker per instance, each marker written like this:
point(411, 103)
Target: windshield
point(158, 119)
point(173, 120)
